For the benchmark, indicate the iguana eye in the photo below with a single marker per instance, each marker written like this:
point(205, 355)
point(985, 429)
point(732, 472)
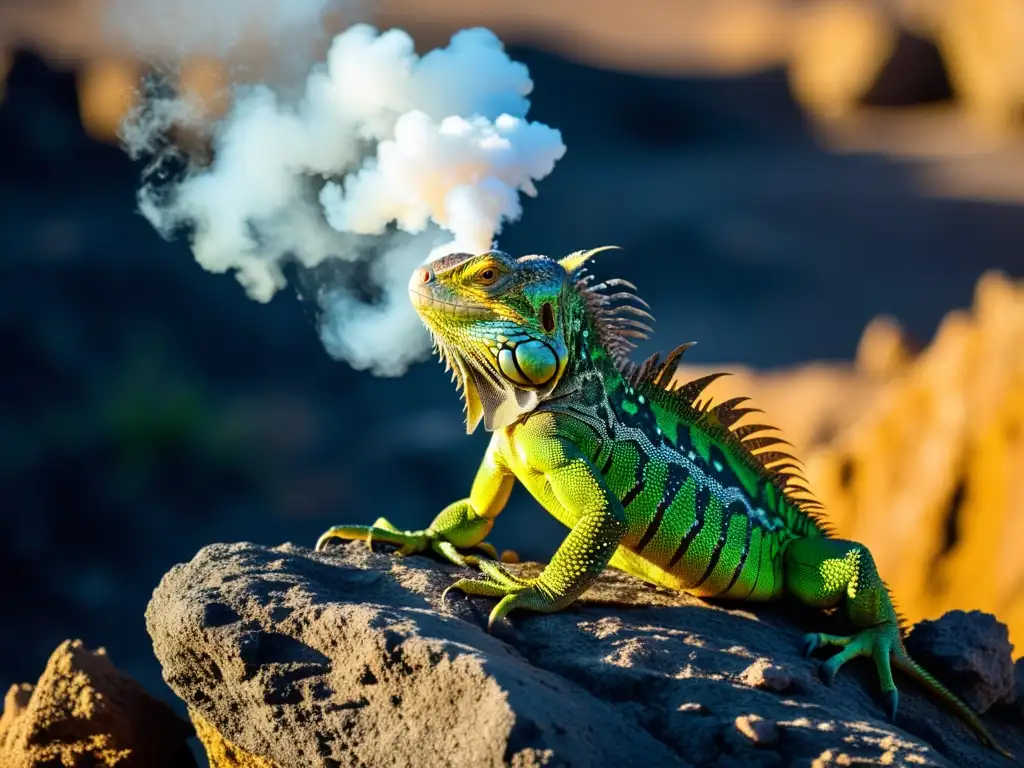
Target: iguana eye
point(487, 276)
point(547, 317)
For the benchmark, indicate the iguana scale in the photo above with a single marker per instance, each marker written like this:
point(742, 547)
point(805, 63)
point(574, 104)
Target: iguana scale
point(648, 478)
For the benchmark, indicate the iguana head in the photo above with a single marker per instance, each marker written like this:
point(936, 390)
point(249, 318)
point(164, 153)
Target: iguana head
point(500, 324)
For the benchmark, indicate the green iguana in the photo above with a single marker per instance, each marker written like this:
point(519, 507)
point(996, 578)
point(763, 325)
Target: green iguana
point(648, 478)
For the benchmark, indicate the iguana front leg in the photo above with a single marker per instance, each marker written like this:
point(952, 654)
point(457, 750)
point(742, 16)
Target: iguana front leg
point(572, 481)
point(461, 525)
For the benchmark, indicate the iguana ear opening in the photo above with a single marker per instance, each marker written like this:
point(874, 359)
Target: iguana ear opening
point(547, 317)
point(574, 261)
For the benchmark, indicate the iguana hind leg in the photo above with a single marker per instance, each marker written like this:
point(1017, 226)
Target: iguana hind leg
point(826, 572)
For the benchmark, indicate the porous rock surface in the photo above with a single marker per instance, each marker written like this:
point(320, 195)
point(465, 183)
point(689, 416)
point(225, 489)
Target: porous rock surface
point(971, 653)
point(85, 713)
point(351, 657)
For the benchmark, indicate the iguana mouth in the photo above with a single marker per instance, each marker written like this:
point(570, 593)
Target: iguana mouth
point(426, 300)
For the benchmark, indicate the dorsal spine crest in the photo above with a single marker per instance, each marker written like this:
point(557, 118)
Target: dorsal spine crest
point(621, 318)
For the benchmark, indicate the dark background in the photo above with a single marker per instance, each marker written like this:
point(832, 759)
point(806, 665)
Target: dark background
point(148, 407)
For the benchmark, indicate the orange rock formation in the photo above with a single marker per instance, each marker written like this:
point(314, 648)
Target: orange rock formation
point(84, 712)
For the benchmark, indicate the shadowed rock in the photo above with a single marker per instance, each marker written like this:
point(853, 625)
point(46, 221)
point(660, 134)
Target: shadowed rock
point(351, 658)
point(970, 652)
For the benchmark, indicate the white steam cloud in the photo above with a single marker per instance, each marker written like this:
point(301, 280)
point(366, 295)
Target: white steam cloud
point(382, 156)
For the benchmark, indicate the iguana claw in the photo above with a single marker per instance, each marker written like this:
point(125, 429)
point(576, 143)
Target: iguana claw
point(408, 542)
point(515, 592)
point(892, 700)
point(881, 643)
point(810, 644)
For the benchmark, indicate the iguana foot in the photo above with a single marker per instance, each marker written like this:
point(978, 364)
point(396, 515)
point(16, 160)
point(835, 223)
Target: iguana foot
point(882, 643)
point(408, 542)
point(515, 592)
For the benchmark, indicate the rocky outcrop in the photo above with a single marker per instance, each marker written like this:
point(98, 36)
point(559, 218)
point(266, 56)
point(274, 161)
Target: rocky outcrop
point(350, 657)
point(973, 653)
point(84, 713)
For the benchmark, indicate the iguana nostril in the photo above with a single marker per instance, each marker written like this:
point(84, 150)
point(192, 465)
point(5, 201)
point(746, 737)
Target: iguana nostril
point(423, 275)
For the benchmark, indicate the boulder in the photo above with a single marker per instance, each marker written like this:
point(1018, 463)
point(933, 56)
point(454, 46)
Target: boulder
point(85, 713)
point(351, 657)
point(970, 652)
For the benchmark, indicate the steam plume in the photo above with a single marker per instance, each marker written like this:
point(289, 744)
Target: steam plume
point(380, 156)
